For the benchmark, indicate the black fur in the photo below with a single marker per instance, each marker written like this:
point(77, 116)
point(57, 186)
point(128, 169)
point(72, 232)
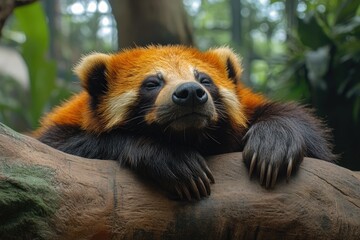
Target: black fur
point(231, 70)
point(277, 133)
point(280, 132)
point(96, 84)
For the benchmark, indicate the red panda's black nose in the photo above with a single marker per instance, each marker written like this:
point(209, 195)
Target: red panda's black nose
point(189, 94)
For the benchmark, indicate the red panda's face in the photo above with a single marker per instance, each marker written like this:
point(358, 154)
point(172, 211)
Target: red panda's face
point(179, 100)
point(174, 88)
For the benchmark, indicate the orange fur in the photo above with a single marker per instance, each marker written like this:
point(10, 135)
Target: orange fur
point(75, 111)
point(126, 70)
point(249, 99)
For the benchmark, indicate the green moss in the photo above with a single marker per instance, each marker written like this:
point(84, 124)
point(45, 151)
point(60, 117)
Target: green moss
point(28, 200)
point(9, 132)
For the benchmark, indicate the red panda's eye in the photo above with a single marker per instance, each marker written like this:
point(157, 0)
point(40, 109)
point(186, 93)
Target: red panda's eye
point(204, 79)
point(152, 83)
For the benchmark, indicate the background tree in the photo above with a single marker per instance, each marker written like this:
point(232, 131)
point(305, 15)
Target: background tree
point(144, 22)
point(6, 8)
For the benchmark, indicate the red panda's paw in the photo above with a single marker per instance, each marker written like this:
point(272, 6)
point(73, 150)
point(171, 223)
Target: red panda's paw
point(187, 177)
point(272, 151)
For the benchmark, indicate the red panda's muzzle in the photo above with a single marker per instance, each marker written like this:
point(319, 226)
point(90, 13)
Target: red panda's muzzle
point(189, 95)
point(188, 106)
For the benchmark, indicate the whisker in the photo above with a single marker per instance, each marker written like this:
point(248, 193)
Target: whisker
point(211, 137)
point(236, 137)
point(166, 128)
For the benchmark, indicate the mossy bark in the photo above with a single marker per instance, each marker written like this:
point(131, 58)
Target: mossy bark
point(47, 194)
point(28, 201)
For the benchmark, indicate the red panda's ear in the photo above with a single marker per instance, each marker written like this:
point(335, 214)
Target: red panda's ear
point(231, 61)
point(92, 71)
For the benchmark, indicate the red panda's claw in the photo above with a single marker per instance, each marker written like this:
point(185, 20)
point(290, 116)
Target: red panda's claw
point(274, 177)
point(252, 164)
point(209, 174)
point(289, 169)
point(195, 189)
point(262, 172)
point(179, 193)
point(186, 192)
point(206, 182)
point(268, 176)
point(271, 175)
point(202, 187)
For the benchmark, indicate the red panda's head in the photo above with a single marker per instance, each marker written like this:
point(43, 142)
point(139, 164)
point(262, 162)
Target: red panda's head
point(172, 87)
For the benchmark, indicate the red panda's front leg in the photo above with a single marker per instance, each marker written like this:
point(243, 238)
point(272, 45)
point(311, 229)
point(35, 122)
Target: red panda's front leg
point(181, 171)
point(279, 136)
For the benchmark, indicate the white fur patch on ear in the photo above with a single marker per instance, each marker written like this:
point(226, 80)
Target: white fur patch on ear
point(225, 52)
point(233, 107)
point(230, 60)
point(117, 108)
point(84, 68)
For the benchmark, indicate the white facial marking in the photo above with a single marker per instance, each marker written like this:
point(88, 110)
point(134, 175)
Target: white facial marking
point(118, 107)
point(233, 106)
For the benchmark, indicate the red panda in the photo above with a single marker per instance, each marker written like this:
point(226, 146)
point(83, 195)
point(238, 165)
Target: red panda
point(160, 110)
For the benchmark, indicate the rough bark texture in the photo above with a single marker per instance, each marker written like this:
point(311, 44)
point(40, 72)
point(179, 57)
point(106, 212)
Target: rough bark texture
point(145, 22)
point(46, 194)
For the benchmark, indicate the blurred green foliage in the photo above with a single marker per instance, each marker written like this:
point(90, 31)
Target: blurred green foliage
point(21, 108)
point(51, 39)
point(13, 103)
point(324, 53)
point(322, 68)
point(42, 71)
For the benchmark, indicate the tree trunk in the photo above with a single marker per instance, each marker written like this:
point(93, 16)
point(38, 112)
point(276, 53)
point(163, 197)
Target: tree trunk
point(145, 22)
point(6, 8)
point(236, 24)
point(291, 16)
point(47, 194)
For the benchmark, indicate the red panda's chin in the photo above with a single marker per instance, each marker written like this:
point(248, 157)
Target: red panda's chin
point(190, 121)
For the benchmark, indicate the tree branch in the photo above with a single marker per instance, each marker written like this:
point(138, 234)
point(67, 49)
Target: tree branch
point(46, 194)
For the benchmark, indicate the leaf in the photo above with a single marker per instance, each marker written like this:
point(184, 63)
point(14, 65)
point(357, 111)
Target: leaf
point(347, 35)
point(311, 34)
point(317, 64)
point(356, 110)
point(349, 50)
point(347, 10)
point(354, 91)
point(32, 22)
